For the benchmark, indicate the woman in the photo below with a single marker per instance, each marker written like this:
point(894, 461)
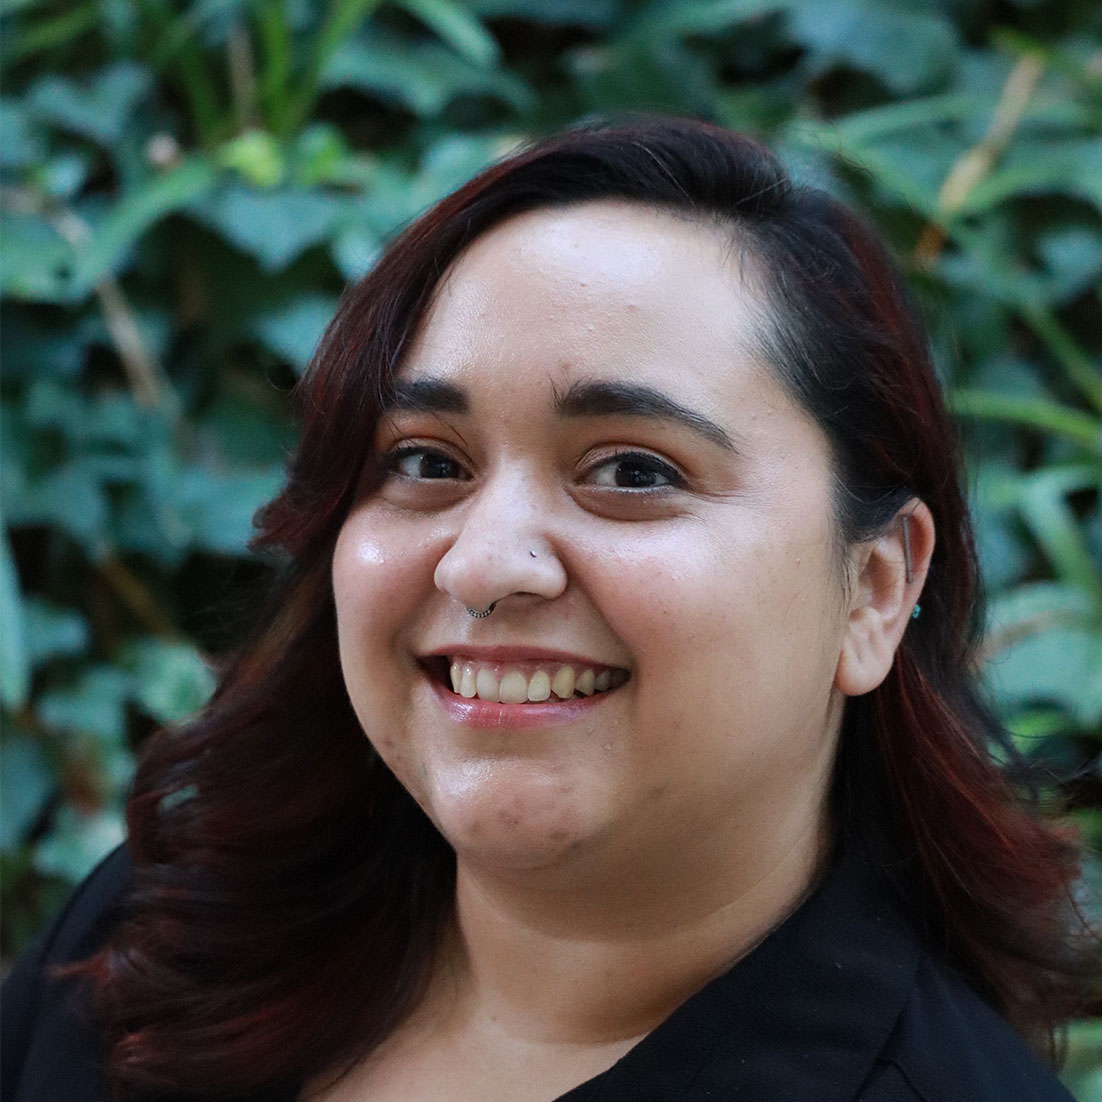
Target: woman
point(626, 527)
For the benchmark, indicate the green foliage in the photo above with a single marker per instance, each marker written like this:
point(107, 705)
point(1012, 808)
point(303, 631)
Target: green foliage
point(187, 187)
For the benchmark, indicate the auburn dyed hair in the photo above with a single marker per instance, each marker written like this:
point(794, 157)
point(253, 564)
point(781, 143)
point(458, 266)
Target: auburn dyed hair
point(289, 895)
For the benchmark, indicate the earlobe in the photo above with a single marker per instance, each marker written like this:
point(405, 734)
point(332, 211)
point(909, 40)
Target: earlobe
point(890, 572)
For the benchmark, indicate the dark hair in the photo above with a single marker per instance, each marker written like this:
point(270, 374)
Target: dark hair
point(289, 895)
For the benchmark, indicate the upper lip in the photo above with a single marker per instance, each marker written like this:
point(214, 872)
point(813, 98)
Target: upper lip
point(516, 654)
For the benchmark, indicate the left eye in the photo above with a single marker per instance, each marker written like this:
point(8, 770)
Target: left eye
point(422, 463)
point(634, 471)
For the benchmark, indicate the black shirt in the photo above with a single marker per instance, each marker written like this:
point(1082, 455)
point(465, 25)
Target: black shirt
point(841, 1003)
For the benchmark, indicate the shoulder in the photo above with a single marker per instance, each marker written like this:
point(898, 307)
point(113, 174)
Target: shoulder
point(949, 1045)
point(48, 1035)
point(843, 1002)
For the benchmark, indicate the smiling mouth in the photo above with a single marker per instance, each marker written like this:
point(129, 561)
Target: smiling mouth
point(522, 682)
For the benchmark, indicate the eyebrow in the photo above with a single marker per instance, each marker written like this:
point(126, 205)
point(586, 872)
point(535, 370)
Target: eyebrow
point(425, 396)
point(596, 399)
point(581, 399)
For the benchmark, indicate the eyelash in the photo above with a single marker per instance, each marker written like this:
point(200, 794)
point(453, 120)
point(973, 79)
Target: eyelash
point(650, 464)
point(390, 460)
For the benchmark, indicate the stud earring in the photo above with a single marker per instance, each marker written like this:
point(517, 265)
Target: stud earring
point(916, 612)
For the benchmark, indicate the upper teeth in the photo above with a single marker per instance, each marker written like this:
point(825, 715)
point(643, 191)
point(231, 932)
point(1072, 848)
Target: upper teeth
point(515, 686)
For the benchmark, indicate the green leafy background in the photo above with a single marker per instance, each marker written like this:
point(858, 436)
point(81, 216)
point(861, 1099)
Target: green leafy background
point(187, 186)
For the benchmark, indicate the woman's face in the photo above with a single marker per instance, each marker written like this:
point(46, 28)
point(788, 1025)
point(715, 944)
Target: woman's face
point(584, 439)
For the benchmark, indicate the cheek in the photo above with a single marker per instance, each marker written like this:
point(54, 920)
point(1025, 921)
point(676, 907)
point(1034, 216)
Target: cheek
point(378, 588)
point(683, 591)
point(359, 566)
point(727, 623)
point(377, 578)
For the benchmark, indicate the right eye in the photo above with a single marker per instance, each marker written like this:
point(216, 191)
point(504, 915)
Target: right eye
point(422, 464)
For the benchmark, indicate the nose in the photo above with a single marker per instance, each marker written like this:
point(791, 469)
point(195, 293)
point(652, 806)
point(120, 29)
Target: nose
point(502, 547)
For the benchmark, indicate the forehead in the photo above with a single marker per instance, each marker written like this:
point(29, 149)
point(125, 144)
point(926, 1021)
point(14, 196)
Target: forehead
point(613, 289)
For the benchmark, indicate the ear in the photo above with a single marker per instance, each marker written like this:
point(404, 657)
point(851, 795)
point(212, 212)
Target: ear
point(883, 596)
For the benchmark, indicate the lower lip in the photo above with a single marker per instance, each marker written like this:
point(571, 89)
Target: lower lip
point(489, 715)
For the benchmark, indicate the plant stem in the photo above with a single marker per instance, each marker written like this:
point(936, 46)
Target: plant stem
point(242, 70)
point(275, 75)
point(341, 20)
point(975, 163)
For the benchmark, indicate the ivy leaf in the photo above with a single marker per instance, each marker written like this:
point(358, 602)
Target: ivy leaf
point(172, 680)
point(1073, 259)
point(99, 108)
point(1003, 557)
point(26, 782)
point(1062, 666)
point(15, 672)
point(579, 13)
point(258, 156)
point(217, 509)
point(665, 19)
point(68, 497)
point(20, 143)
point(292, 331)
point(355, 249)
point(38, 262)
point(907, 50)
point(659, 71)
point(238, 433)
point(1043, 499)
point(1031, 168)
point(272, 226)
point(134, 213)
point(94, 704)
point(78, 841)
point(447, 163)
point(64, 176)
point(53, 632)
point(424, 77)
point(398, 196)
point(35, 349)
point(456, 26)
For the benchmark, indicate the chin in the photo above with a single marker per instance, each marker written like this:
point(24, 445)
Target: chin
point(494, 817)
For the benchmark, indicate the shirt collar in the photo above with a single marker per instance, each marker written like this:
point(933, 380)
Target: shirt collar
point(804, 1015)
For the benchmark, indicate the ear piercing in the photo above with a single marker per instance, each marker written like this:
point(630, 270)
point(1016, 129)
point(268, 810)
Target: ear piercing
point(908, 563)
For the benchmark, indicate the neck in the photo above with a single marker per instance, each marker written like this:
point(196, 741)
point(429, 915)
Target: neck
point(600, 959)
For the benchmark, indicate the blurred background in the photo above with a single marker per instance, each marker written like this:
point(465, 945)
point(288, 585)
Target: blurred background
point(187, 186)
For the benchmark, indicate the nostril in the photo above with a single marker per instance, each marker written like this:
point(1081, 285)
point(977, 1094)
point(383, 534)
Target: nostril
point(480, 567)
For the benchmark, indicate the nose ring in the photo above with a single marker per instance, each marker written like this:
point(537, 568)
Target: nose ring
point(481, 614)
